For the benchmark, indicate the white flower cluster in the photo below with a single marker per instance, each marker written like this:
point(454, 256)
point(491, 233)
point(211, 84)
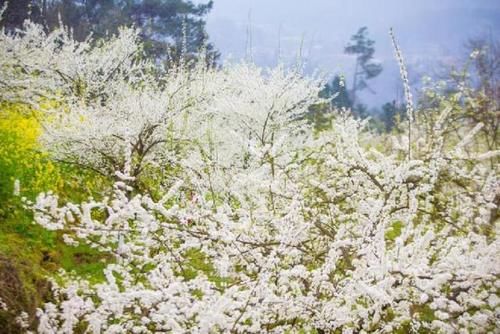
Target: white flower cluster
point(265, 227)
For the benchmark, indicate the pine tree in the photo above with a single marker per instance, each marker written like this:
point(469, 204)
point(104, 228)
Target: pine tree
point(365, 69)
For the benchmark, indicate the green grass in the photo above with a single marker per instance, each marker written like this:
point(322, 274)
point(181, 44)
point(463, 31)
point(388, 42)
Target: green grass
point(29, 253)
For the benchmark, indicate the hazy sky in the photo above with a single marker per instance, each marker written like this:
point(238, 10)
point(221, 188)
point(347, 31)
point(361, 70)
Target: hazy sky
point(430, 32)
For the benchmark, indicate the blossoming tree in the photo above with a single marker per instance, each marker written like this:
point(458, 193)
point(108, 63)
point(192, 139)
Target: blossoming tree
point(255, 223)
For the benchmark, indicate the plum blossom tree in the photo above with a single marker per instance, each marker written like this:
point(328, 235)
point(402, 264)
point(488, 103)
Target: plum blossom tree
point(265, 227)
point(38, 65)
point(354, 253)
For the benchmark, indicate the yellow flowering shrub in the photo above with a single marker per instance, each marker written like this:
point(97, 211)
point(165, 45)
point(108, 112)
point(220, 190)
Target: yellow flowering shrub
point(27, 252)
point(20, 154)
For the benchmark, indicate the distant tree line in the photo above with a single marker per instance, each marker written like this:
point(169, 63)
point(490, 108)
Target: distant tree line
point(169, 28)
point(481, 72)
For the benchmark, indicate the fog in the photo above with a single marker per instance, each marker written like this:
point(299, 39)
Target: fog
point(431, 33)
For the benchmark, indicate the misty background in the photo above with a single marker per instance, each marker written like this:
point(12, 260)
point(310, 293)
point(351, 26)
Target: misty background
point(431, 34)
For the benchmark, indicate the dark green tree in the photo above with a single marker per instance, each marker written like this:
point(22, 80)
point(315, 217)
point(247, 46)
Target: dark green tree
point(169, 26)
point(338, 98)
point(392, 114)
point(336, 90)
point(365, 69)
point(17, 11)
point(98, 17)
